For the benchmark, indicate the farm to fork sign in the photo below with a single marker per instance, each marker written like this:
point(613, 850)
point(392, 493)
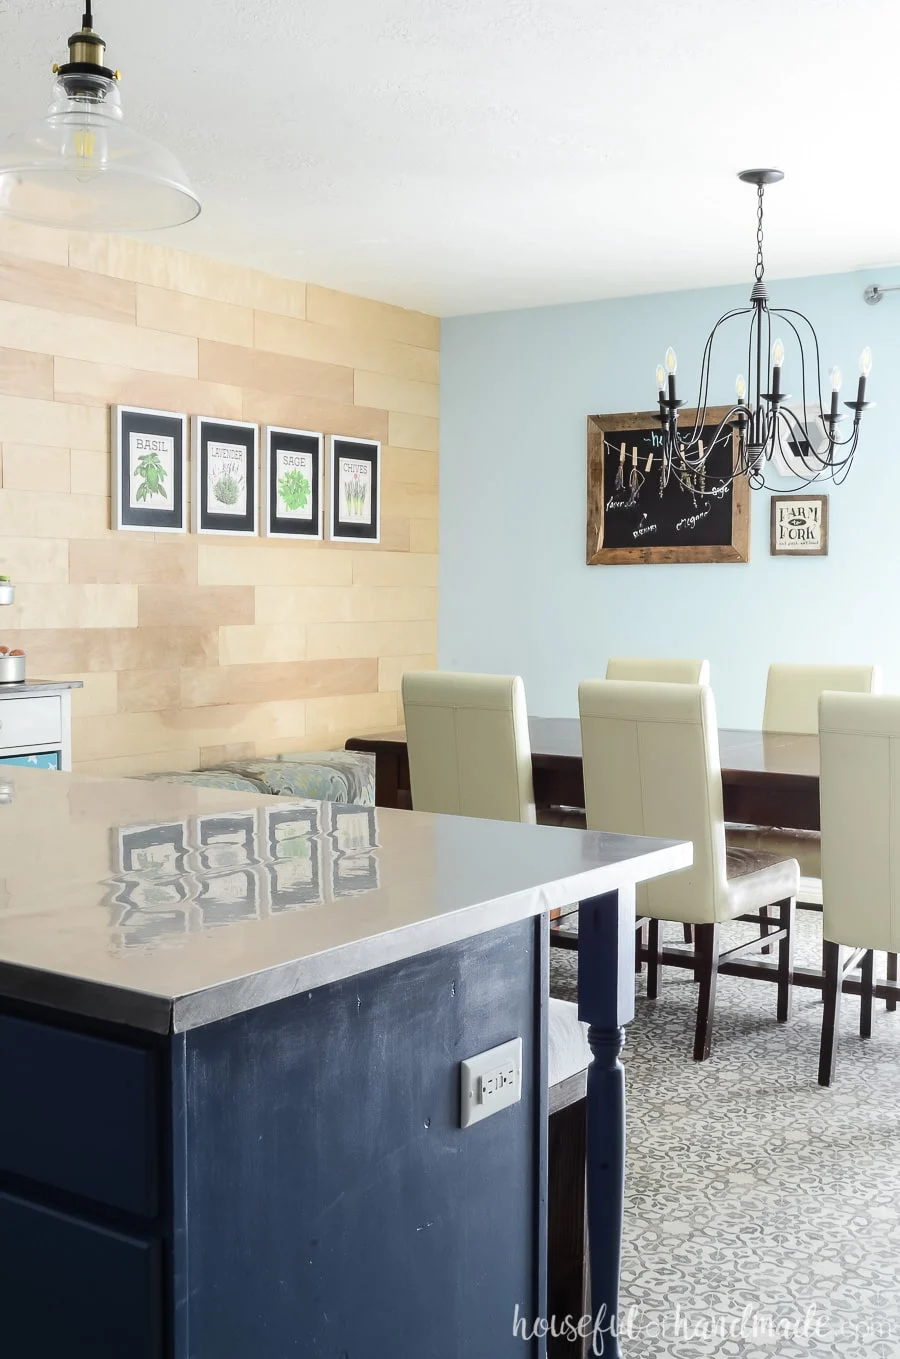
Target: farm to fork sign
point(710, 522)
point(799, 526)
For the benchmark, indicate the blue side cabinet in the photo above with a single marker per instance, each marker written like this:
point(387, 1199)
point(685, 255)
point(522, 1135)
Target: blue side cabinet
point(289, 1183)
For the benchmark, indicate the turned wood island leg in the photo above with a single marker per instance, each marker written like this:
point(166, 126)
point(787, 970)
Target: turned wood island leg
point(606, 1003)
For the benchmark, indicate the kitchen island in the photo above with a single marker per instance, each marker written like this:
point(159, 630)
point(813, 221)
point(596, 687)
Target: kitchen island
point(231, 1031)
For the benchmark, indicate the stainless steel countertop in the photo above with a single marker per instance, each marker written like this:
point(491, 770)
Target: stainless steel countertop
point(34, 688)
point(167, 907)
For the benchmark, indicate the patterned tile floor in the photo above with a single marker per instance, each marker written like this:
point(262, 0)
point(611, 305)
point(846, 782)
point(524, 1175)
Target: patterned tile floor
point(762, 1212)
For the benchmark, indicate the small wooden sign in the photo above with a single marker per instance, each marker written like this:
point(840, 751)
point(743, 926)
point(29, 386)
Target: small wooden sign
point(799, 526)
point(709, 524)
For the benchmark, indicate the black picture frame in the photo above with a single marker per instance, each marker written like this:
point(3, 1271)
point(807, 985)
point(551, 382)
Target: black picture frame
point(209, 439)
point(281, 447)
point(361, 525)
point(294, 854)
point(155, 502)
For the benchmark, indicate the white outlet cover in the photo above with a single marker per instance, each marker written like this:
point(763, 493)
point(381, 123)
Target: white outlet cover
point(490, 1082)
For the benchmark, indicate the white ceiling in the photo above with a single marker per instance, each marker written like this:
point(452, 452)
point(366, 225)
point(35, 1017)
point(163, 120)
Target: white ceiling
point(466, 155)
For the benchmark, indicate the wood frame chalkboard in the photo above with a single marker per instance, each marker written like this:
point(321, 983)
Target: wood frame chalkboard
point(693, 539)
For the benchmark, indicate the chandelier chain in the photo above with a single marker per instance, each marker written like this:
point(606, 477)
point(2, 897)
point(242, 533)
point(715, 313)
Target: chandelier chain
point(760, 265)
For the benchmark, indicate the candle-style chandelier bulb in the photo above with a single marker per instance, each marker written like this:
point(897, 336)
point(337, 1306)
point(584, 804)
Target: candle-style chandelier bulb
point(740, 387)
point(778, 354)
point(671, 361)
point(865, 362)
point(836, 379)
point(660, 378)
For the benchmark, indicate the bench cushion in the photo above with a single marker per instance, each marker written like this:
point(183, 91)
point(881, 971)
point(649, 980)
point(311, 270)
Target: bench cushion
point(568, 1048)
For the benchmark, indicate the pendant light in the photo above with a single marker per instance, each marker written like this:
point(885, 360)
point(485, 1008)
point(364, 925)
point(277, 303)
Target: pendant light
point(82, 167)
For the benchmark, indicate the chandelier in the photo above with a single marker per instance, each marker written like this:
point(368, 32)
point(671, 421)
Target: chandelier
point(763, 420)
point(82, 167)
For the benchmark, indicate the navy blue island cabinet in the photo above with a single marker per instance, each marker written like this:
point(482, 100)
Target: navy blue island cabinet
point(230, 1044)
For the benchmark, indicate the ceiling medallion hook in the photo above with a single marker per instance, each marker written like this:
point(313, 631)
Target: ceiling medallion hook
point(763, 423)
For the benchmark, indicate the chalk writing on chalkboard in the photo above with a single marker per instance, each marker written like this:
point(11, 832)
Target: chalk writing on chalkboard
point(632, 517)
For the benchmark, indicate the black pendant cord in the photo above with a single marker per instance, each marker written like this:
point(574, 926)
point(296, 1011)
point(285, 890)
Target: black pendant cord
point(88, 19)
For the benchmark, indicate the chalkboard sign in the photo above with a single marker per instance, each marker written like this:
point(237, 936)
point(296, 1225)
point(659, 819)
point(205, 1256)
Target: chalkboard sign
point(678, 525)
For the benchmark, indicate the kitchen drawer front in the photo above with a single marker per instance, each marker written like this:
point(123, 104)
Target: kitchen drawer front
point(48, 759)
point(81, 1114)
point(30, 721)
point(74, 1290)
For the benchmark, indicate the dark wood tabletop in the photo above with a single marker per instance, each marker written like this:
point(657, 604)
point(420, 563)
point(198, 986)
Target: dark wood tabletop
point(767, 778)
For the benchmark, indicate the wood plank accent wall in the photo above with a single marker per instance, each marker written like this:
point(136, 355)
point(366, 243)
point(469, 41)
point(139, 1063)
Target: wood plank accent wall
point(192, 649)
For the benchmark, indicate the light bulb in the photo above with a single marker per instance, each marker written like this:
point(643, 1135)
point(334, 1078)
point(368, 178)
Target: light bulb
point(660, 377)
point(777, 354)
point(865, 362)
point(740, 387)
point(835, 379)
point(671, 361)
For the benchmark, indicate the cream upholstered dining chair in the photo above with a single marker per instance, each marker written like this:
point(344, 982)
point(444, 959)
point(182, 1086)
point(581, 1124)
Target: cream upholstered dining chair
point(470, 755)
point(792, 705)
point(469, 749)
point(792, 692)
point(651, 767)
point(859, 741)
point(660, 669)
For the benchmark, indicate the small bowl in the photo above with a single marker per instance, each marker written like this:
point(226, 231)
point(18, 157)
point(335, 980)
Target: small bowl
point(12, 669)
point(7, 593)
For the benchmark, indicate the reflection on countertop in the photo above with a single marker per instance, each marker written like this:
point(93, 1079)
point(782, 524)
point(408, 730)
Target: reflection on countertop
point(167, 906)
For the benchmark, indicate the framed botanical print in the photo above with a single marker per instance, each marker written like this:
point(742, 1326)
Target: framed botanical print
point(148, 479)
point(292, 483)
point(225, 472)
point(354, 509)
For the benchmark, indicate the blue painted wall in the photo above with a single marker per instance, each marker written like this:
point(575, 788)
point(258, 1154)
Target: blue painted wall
point(516, 595)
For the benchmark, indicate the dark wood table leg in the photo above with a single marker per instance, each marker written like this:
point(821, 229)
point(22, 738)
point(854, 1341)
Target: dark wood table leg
point(606, 1002)
point(387, 778)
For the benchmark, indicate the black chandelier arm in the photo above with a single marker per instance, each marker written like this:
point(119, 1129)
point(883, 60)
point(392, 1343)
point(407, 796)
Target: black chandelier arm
point(687, 441)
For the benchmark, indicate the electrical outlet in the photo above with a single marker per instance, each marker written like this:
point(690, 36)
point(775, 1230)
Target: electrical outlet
point(490, 1082)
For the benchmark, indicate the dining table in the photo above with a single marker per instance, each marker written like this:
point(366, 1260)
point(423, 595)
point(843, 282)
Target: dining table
point(768, 778)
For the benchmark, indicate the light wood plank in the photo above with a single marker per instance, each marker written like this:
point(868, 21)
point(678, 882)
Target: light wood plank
point(370, 639)
point(374, 318)
point(413, 431)
point(264, 683)
point(194, 606)
point(396, 394)
point(137, 558)
point(97, 650)
point(270, 565)
point(351, 348)
point(73, 606)
point(424, 535)
point(165, 309)
point(146, 691)
point(26, 374)
point(109, 384)
point(257, 643)
point(302, 412)
point(35, 561)
point(28, 467)
point(58, 288)
point(265, 372)
point(86, 337)
point(23, 419)
point(394, 568)
point(32, 514)
point(391, 669)
point(163, 267)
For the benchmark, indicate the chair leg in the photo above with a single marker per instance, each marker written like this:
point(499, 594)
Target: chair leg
point(641, 940)
point(892, 977)
point(764, 927)
point(867, 973)
point(688, 934)
point(831, 1018)
point(706, 948)
point(785, 959)
point(653, 968)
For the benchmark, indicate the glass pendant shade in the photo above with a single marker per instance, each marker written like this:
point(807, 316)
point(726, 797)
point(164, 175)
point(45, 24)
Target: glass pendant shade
point(82, 167)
